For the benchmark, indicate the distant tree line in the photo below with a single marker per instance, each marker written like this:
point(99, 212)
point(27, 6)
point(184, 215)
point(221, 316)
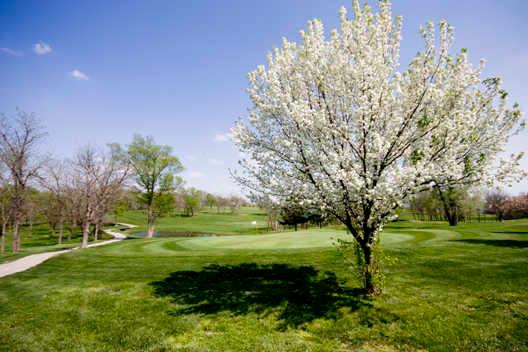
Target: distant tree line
point(292, 213)
point(462, 205)
point(506, 207)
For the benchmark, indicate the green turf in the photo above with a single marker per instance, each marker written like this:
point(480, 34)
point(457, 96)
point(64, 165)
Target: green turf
point(40, 240)
point(207, 221)
point(447, 289)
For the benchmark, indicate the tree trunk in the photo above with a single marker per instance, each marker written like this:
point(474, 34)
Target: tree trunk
point(16, 236)
point(85, 234)
point(150, 230)
point(369, 263)
point(2, 235)
point(150, 223)
point(450, 210)
point(30, 226)
point(52, 229)
point(96, 231)
point(70, 232)
point(61, 228)
point(368, 271)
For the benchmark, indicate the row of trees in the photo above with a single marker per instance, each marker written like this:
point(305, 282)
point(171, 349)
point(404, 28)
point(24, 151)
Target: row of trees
point(74, 192)
point(292, 212)
point(506, 207)
point(78, 193)
point(460, 204)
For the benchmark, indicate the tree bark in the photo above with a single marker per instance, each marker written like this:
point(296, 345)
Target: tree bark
point(150, 230)
point(70, 232)
point(453, 220)
point(16, 236)
point(52, 229)
point(30, 226)
point(96, 231)
point(450, 210)
point(150, 222)
point(61, 229)
point(85, 233)
point(369, 269)
point(2, 239)
point(369, 264)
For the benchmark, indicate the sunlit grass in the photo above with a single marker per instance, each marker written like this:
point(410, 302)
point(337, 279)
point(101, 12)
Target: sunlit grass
point(446, 289)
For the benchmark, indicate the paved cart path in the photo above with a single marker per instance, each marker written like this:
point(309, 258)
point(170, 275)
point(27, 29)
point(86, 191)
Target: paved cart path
point(30, 261)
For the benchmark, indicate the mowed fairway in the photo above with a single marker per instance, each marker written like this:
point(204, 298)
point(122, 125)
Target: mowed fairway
point(446, 289)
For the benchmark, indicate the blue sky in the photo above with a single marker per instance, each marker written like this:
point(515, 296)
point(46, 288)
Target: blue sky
point(176, 70)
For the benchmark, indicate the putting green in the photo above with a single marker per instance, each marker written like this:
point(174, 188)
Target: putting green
point(313, 238)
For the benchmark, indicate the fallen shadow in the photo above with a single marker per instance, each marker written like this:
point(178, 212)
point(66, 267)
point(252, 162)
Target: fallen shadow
point(511, 232)
point(298, 294)
point(497, 243)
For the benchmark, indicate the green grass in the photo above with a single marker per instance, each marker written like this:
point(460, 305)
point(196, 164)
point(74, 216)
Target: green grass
point(207, 221)
point(447, 289)
point(40, 240)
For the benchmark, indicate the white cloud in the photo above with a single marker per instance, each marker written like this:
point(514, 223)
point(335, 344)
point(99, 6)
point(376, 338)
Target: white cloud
point(222, 137)
point(195, 175)
point(79, 75)
point(214, 161)
point(11, 52)
point(41, 48)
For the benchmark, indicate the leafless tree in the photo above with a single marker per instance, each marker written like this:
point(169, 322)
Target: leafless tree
point(54, 182)
point(96, 180)
point(496, 202)
point(20, 136)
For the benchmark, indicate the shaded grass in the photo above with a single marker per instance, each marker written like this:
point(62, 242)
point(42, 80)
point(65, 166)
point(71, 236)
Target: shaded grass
point(498, 243)
point(300, 294)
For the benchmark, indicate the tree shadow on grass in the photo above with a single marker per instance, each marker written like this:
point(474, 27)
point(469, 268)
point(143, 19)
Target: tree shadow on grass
point(511, 232)
point(497, 243)
point(299, 294)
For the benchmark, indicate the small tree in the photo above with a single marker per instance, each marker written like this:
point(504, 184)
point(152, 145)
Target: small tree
point(153, 168)
point(496, 203)
point(210, 200)
point(293, 213)
point(516, 207)
point(221, 202)
point(339, 123)
point(191, 197)
point(235, 203)
point(272, 209)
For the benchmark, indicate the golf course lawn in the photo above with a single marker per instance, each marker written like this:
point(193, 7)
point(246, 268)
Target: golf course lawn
point(40, 240)
point(446, 288)
point(208, 221)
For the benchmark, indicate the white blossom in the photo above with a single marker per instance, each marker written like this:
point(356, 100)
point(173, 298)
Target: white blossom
point(336, 120)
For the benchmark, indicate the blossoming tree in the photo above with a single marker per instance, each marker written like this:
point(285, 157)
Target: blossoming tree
point(336, 123)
